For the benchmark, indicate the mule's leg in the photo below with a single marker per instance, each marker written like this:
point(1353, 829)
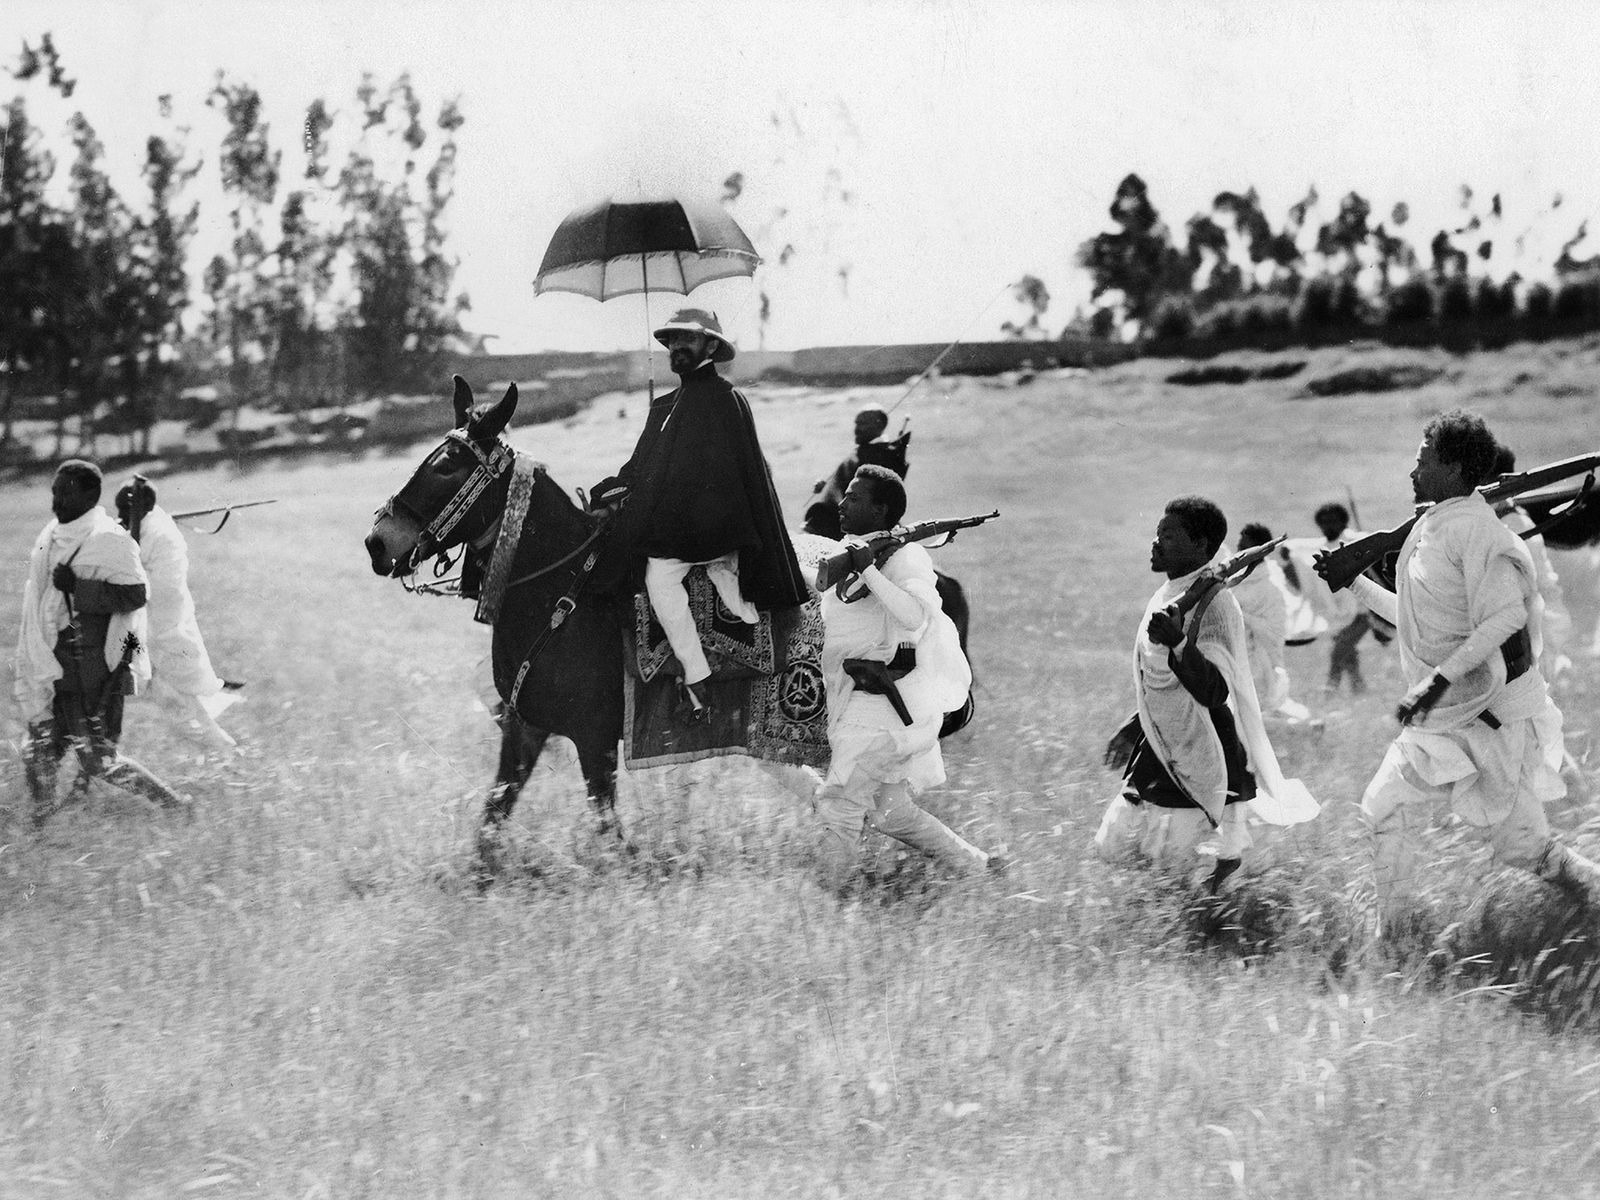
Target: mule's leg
point(520, 745)
point(599, 765)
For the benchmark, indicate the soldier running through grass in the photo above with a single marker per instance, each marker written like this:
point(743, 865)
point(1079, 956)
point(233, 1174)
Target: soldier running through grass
point(893, 667)
point(1195, 752)
point(1478, 726)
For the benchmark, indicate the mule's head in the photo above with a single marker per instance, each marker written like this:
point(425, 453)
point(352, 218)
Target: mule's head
point(455, 496)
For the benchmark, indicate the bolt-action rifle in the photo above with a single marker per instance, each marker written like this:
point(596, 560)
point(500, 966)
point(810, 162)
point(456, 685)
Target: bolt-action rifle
point(1340, 567)
point(884, 543)
point(1229, 572)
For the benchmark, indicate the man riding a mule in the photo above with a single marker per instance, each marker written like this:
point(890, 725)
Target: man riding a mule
point(697, 492)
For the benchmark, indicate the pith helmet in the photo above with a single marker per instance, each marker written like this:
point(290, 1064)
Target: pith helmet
point(699, 320)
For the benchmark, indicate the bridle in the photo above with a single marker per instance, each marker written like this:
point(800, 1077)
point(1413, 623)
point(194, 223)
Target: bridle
point(493, 462)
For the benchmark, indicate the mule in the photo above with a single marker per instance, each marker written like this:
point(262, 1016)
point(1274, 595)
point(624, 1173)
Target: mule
point(555, 675)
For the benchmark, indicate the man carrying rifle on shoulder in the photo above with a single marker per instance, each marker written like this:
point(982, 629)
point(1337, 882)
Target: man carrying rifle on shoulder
point(80, 649)
point(893, 667)
point(1477, 724)
point(1195, 757)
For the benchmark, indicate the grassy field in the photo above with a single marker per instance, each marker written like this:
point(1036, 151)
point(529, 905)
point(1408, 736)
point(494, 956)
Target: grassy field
point(300, 994)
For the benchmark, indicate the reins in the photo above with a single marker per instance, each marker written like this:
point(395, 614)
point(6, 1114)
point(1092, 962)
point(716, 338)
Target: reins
point(492, 464)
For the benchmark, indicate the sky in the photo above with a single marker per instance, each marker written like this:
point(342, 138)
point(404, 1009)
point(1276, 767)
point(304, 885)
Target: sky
point(919, 157)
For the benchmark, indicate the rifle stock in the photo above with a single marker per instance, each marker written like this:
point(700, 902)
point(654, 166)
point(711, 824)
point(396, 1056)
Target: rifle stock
point(837, 566)
point(1340, 567)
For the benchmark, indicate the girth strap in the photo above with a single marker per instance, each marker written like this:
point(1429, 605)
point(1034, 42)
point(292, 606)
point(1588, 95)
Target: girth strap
point(567, 604)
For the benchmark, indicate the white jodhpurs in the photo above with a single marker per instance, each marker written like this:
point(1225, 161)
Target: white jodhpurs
point(1394, 808)
point(1168, 839)
point(845, 809)
point(663, 582)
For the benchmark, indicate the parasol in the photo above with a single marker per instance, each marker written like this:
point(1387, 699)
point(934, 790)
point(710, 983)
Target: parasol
point(621, 248)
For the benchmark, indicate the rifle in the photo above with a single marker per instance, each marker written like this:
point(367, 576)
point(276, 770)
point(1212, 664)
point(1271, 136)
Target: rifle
point(1339, 568)
point(97, 743)
point(225, 509)
point(1228, 573)
point(838, 567)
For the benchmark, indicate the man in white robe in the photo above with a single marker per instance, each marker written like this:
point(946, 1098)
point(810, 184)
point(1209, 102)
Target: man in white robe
point(1478, 726)
point(1195, 756)
point(1555, 622)
point(878, 762)
point(1347, 621)
point(1263, 601)
point(181, 676)
point(81, 646)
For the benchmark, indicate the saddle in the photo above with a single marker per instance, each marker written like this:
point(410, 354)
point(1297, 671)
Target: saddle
point(767, 692)
point(734, 650)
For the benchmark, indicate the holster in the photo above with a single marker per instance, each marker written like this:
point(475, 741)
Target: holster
point(879, 679)
point(1517, 650)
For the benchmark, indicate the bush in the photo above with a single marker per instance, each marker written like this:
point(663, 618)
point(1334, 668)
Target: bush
point(1494, 301)
point(1455, 302)
point(1220, 322)
point(1408, 305)
point(1577, 303)
point(1328, 309)
point(1313, 311)
point(1173, 320)
point(1537, 308)
point(1263, 316)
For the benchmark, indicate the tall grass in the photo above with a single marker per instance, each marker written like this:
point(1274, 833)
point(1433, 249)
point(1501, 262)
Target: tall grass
point(300, 993)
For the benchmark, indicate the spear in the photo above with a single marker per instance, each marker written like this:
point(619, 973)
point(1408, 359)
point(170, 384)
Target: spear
point(225, 509)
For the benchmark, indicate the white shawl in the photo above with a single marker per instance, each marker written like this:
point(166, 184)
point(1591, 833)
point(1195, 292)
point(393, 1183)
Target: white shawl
point(1446, 589)
point(1180, 730)
point(97, 548)
point(178, 657)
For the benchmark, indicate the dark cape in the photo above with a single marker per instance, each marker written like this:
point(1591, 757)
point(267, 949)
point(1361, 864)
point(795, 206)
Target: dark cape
point(698, 488)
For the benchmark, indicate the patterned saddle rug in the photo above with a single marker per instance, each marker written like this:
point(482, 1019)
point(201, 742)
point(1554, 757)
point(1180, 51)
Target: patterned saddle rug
point(766, 690)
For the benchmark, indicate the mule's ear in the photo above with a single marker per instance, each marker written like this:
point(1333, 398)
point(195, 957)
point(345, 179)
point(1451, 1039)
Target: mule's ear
point(463, 402)
point(490, 425)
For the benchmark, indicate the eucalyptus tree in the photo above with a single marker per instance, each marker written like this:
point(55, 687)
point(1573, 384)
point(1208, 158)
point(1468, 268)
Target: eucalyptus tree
point(35, 248)
point(1138, 260)
point(240, 282)
point(393, 239)
point(305, 363)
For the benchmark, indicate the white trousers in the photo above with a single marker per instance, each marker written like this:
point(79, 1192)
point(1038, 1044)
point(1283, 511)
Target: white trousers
point(1169, 839)
point(1395, 807)
point(663, 582)
point(845, 808)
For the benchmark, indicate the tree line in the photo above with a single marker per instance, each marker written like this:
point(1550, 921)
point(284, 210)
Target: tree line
point(1235, 279)
point(330, 284)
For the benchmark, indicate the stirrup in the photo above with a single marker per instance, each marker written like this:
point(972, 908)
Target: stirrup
point(699, 705)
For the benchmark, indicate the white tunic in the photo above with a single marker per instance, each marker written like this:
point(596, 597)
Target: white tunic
point(901, 608)
point(1464, 584)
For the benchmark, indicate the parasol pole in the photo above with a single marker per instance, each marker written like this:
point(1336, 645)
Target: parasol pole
point(649, 339)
